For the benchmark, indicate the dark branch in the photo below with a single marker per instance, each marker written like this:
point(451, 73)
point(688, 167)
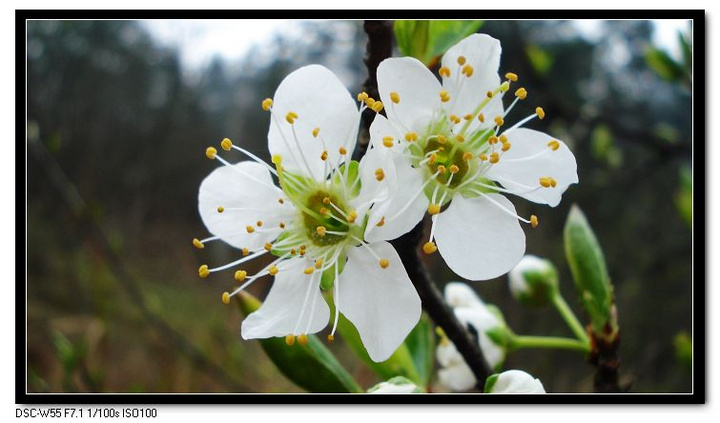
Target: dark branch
point(605, 358)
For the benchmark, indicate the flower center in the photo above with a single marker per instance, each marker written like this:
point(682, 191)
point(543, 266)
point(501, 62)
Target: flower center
point(325, 226)
point(447, 158)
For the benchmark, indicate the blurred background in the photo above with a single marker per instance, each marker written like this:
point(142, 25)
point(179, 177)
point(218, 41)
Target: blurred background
point(119, 116)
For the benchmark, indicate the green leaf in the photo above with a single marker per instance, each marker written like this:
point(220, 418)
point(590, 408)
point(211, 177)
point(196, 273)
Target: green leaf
point(540, 60)
point(427, 40)
point(683, 198)
point(590, 273)
point(683, 349)
point(490, 382)
point(399, 364)
point(421, 344)
point(664, 65)
point(312, 367)
point(686, 47)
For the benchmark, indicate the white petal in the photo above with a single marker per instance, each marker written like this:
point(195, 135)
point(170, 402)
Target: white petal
point(417, 87)
point(482, 320)
point(245, 185)
point(447, 354)
point(373, 190)
point(457, 377)
point(482, 52)
point(406, 194)
point(320, 100)
point(516, 173)
point(517, 382)
point(285, 311)
point(478, 239)
point(381, 303)
point(458, 294)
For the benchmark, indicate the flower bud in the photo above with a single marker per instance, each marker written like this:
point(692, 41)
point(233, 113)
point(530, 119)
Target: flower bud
point(396, 385)
point(534, 281)
point(513, 382)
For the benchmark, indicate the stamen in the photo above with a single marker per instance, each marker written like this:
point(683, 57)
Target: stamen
point(211, 153)
point(429, 247)
point(381, 222)
point(444, 96)
point(411, 136)
point(342, 151)
point(324, 156)
point(459, 138)
point(220, 209)
point(199, 245)
point(267, 104)
point(521, 93)
point(540, 113)
point(467, 156)
point(554, 145)
point(302, 339)
point(388, 142)
point(362, 96)
point(505, 86)
point(377, 106)
point(226, 298)
point(321, 230)
point(499, 121)
point(494, 158)
point(481, 118)
point(506, 146)
point(467, 70)
point(511, 76)
point(384, 263)
point(226, 144)
point(454, 169)
point(444, 71)
point(395, 97)
point(203, 271)
point(309, 270)
point(240, 275)
point(249, 229)
point(461, 60)
point(534, 221)
point(290, 340)
point(273, 270)
point(379, 174)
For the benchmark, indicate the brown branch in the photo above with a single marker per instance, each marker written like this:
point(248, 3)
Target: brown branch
point(604, 357)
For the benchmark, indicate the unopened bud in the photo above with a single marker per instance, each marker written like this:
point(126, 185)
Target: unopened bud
point(534, 281)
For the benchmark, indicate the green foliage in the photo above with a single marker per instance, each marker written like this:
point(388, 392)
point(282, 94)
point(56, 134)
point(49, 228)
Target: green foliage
point(312, 366)
point(603, 146)
point(428, 40)
point(683, 349)
point(421, 344)
point(667, 67)
point(540, 60)
point(490, 382)
point(590, 273)
point(683, 197)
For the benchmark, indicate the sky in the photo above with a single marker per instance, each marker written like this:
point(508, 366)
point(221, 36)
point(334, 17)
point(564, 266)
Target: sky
point(198, 41)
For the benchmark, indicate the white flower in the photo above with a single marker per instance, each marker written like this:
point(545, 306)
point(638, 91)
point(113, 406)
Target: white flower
point(533, 281)
point(514, 382)
point(472, 312)
point(396, 385)
point(454, 158)
point(313, 223)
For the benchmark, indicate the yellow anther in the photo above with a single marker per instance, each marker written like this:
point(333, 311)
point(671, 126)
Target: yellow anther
point(245, 251)
point(444, 96)
point(441, 139)
point(489, 94)
point(460, 138)
point(384, 263)
point(318, 263)
point(240, 275)
point(553, 182)
point(461, 60)
point(290, 340)
point(467, 156)
point(429, 247)
point(352, 216)
point(467, 70)
point(504, 86)
point(494, 158)
point(434, 208)
point(309, 270)
point(444, 71)
point(454, 169)
point(293, 251)
point(302, 247)
point(554, 145)
point(534, 221)
point(411, 136)
point(381, 222)
point(481, 118)
point(521, 93)
point(226, 144)
point(379, 174)
point(499, 121)
point(369, 101)
point(276, 159)
point(203, 271)
point(290, 117)
point(321, 230)
point(432, 159)
point(468, 116)
point(268, 246)
point(454, 119)
point(492, 140)
point(388, 141)
point(540, 113)
point(342, 151)
point(483, 157)
point(259, 223)
point(211, 152)
point(273, 270)
point(326, 200)
point(362, 96)
point(315, 132)
point(506, 146)
point(511, 76)
point(226, 298)
point(503, 138)
point(281, 225)
point(330, 338)
point(302, 339)
point(324, 156)
point(249, 229)
point(220, 209)
point(267, 104)
point(199, 245)
point(545, 182)
point(441, 169)
point(281, 201)
point(323, 211)
point(377, 106)
point(395, 97)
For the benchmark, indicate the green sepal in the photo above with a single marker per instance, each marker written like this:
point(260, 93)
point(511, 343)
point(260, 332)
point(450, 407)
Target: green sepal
point(399, 364)
point(312, 367)
point(590, 273)
point(427, 40)
point(279, 252)
point(351, 179)
point(490, 382)
point(299, 187)
point(327, 280)
point(421, 344)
